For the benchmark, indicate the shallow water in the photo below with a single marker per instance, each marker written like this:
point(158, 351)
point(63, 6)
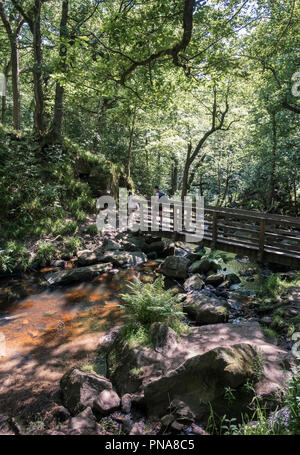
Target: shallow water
point(41, 315)
point(43, 332)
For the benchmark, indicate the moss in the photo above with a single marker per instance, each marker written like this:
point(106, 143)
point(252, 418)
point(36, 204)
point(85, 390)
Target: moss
point(112, 361)
point(51, 190)
point(92, 229)
point(98, 366)
point(270, 333)
point(290, 329)
point(136, 372)
point(135, 335)
point(71, 245)
point(258, 366)
point(278, 323)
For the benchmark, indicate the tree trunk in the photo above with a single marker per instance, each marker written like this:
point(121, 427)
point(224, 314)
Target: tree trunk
point(3, 104)
point(14, 59)
point(39, 112)
point(201, 185)
point(174, 176)
point(228, 177)
point(273, 166)
point(129, 152)
point(15, 84)
point(217, 123)
point(186, 170)
point(56, 128)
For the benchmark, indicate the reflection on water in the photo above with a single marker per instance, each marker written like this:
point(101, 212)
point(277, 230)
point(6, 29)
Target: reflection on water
point(41, 316)
point(45, 331)
point(58, 316)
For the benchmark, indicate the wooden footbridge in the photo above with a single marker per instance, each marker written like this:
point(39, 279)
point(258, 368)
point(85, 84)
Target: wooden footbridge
point(262, 236)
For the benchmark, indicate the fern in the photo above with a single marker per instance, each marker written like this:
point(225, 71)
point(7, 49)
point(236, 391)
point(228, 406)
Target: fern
point(149, 302)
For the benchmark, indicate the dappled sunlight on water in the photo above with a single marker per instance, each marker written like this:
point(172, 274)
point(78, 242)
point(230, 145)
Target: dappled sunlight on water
point(63, 314)
point(48, 331)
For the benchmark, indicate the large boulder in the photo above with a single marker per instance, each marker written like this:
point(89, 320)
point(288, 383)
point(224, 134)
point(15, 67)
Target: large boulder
point(157, 246)
point(124, 258)
point(164, 338)
point(162, 248)
point(133, 368)
point(80, 274)
point(202, 379)
point(204, 266)
point(193, 283)
point(215, 279)
point(80, 389)
point(83, 424)
point(193, 257)
point(232, 278)
point(130, 367)
point(206, 309)
point(175, 266)
point(129, 246)
point(86, 257)
point(139, 242)
point(106, 403)
point(110, 245)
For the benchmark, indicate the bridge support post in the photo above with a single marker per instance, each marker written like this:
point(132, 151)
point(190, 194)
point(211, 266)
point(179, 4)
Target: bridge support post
point(214, 231)
point(262, 241)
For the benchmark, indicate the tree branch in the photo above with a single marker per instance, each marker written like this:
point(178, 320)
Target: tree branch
point(291, 108)
point(173, 51)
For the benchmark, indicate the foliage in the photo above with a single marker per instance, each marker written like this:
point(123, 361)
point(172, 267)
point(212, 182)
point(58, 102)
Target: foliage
point(141, 103)
point(64, 228)
point(150, 302)
point(45, 252)
point(272, 287)
point(71, 245)
point(218, 257)
point(92, 229)
point(269, 333)
point(13, 256)
point(259, 422)
point(146, 303)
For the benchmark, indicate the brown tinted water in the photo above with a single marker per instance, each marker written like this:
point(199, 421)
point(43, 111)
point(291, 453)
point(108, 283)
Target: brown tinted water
point(46, 331)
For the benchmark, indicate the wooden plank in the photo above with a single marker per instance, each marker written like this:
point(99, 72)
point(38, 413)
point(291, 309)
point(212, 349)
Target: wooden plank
point(282, 246)
point(282, 236)
point(239, 230)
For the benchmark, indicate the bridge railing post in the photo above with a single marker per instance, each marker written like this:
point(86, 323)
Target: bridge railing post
point(214, 231)
point(262, 240)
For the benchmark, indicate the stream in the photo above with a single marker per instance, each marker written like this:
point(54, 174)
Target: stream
point(45, 331)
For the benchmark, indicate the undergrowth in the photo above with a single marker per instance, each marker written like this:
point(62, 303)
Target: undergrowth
point(146, 303)
point(259, 421)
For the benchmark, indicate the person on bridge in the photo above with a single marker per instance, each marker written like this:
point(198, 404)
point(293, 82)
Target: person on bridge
point(159, 194)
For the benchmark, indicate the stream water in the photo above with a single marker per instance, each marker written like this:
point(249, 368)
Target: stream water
point(45, 331)
point(64, 313)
